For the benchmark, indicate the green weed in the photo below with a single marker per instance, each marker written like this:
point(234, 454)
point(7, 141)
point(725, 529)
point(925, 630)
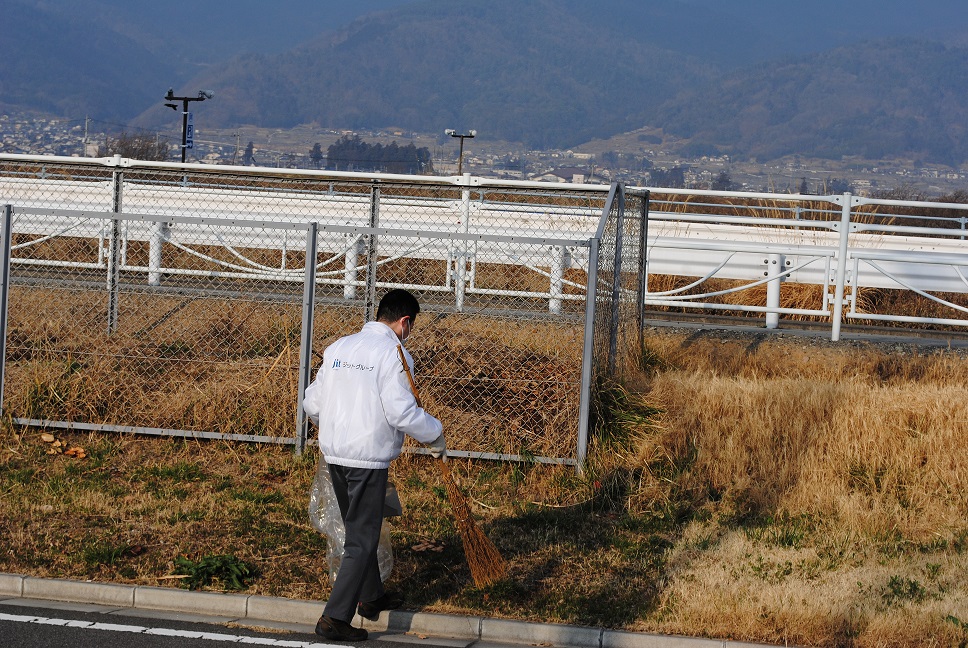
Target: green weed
point(231, 572)
point(900, 589)
point(261, 498)
point(789, 532)
point(104, 553)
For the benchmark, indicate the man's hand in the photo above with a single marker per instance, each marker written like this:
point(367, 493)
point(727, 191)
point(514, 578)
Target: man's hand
point(438, 448)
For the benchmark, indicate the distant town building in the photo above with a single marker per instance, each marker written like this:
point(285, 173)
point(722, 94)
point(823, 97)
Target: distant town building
point(576, 175)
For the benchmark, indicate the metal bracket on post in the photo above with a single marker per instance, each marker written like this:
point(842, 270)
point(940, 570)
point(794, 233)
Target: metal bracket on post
point(371, 253)
point(114, 253)
point(5, 244)
point(306, 343)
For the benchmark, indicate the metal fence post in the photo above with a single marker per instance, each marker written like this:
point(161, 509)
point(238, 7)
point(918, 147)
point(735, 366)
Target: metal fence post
point(585, 412)
point(643, 263)
point(371, 254)
point(5, 244)
point(114, 252)
point(306, 343)
point(616, 281)
point(461, 280)
point(841, 268)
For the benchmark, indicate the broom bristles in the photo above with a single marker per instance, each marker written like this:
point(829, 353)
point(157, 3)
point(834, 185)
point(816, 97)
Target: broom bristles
point(487, 565)
point(485, 561)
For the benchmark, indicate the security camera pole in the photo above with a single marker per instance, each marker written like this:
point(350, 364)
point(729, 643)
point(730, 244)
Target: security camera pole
point(202, 96)
point(462, 136)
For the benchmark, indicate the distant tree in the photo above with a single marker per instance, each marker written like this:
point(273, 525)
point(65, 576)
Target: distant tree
point(837, 186)
point(803, 189)
point(723, 182)
point(351, 153)
point(316, 156)
point(248, 158)
point(346, 153)
point(137, 146)
point(610, 159)
point(674, 178)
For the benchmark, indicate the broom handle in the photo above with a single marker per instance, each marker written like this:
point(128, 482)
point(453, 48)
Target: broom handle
point(444, 468)
point(406, 368)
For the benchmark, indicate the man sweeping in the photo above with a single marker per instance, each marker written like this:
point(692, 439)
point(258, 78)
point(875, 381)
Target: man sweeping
point(362, 403)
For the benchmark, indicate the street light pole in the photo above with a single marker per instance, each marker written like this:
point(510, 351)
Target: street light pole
point(202, 96)
point(460, 158)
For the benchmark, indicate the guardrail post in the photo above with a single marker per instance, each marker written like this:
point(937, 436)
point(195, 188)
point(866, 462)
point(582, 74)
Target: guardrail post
point(114, 253)
point(774, 270)
point(159, 235)
point(306, 343)
point(352, 260)
point(841, 279)
point(5, 244)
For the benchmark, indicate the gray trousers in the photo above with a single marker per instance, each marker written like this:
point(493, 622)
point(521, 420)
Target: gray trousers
point(360, 493)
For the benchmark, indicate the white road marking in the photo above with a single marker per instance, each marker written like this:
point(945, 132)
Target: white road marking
point(167, 632)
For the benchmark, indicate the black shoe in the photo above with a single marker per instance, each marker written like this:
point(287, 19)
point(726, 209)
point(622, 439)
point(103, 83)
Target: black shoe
point(336, 630)
point(371, 610)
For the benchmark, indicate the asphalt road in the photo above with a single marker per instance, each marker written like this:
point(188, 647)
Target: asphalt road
point(86, 627)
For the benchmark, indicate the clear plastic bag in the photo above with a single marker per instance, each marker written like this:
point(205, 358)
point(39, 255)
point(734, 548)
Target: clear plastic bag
point(325, 518)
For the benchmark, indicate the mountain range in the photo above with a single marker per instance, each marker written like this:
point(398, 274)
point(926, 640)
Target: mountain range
point(754, 79)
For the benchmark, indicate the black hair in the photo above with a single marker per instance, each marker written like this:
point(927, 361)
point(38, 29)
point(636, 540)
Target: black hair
point(396, 304)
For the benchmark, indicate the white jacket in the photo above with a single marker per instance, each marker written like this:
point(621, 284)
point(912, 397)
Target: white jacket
point(362, 402)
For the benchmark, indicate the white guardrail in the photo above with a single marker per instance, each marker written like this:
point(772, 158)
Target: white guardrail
point(843, 243)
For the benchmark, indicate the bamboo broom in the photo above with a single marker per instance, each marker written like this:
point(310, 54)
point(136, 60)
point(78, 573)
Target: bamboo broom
point(485, 561)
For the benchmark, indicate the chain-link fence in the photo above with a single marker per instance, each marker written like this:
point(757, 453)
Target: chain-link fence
point(178, 300)
point(618, 272)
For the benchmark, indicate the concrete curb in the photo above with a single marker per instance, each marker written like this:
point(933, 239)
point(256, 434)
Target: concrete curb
point(266, 608)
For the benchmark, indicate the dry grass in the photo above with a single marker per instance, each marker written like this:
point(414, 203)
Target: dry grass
point(231, 366)
point(750, 487)
point(828, 490)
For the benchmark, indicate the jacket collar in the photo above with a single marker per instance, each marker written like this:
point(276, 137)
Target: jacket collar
point(380, 328)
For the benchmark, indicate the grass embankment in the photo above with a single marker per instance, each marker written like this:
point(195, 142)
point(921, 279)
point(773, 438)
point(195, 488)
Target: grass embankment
point(759, 488)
